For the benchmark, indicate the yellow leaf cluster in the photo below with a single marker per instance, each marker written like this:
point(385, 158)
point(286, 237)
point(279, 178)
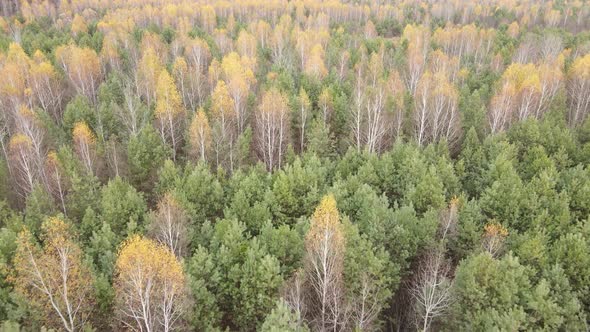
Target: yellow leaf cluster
point(18, 141)
point(494, 229)
point(200, 134)
point(52, 159)
point(522, 76)
point(168, 101)
point(325, 219)
point(315, 65)
point(238, 69)
point(154, 261)
point(246, 44)
point(83, 133)
point(273, 101)
point(79, 25)
point(581, 67)
point(222, 103)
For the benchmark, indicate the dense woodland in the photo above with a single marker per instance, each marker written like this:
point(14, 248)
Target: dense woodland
point(175, 165)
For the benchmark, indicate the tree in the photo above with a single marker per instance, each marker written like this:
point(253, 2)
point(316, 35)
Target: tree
point(315, 65)
point(23, 163)
point(493, 238)
point(501, 108)
point(150, 286)
point(147, 74)
point(491, 293)
point(57, 183)
point(82, 66)
point(46, 86)
point(302, 116)
point(246, 44)
point(145, 153)
point(122, 207)
point(282, 319)
point(181, 75)
point(271, 130)
point(15, 71)
point(431, 287)
point(326, 105)
point(197, 55)
point(200, 136)
point(436, 116)
point(371, 122)
point(190, 81)
point(132, 114)
point(235, 278)
point(26, 150)
point(169, 112)
point(418, 40)
point(239, 76)
point(579, 90)
point(85, 146)
point(54, 277)
point(169, 225)
point(324, 246)
point(224, 128)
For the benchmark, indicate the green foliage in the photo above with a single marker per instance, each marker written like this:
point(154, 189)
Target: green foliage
point(282, 319)
point(197, 188)
point(236, 279)
point(82, 195)
point(297, 189)
point(472, 164)
point(77, 110)
point(503, 199)
point(491, 294)
point(246, 226)
point(122, 207)
point(500, 294)
point(571, 252)
point(38, 205)
point(145, 152)
point(249, 198)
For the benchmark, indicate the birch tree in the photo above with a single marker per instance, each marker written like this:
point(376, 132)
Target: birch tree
point(150, 287)
point(53, 277)
point(271, 130)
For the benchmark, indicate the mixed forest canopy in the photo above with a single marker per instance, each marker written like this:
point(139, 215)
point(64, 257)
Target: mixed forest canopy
point(176, 165)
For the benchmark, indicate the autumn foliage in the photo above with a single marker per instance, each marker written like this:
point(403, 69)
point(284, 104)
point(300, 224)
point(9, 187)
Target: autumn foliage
point(181, 165)
point(54, 277)
point(150, 286)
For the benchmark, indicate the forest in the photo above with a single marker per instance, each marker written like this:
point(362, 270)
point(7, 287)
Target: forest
point(294, 165)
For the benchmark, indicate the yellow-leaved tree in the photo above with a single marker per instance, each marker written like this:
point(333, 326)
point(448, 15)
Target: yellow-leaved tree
point(148, 71)
point(271, 128)
point(223, 126)
point(579, 90)
point(150, 286)
point(45, 85)
point(200, 136)
point(169, 112)
point(324, 264)
point(239, 77)
point(53, 277)
point(85, 145)
point(82, 66)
